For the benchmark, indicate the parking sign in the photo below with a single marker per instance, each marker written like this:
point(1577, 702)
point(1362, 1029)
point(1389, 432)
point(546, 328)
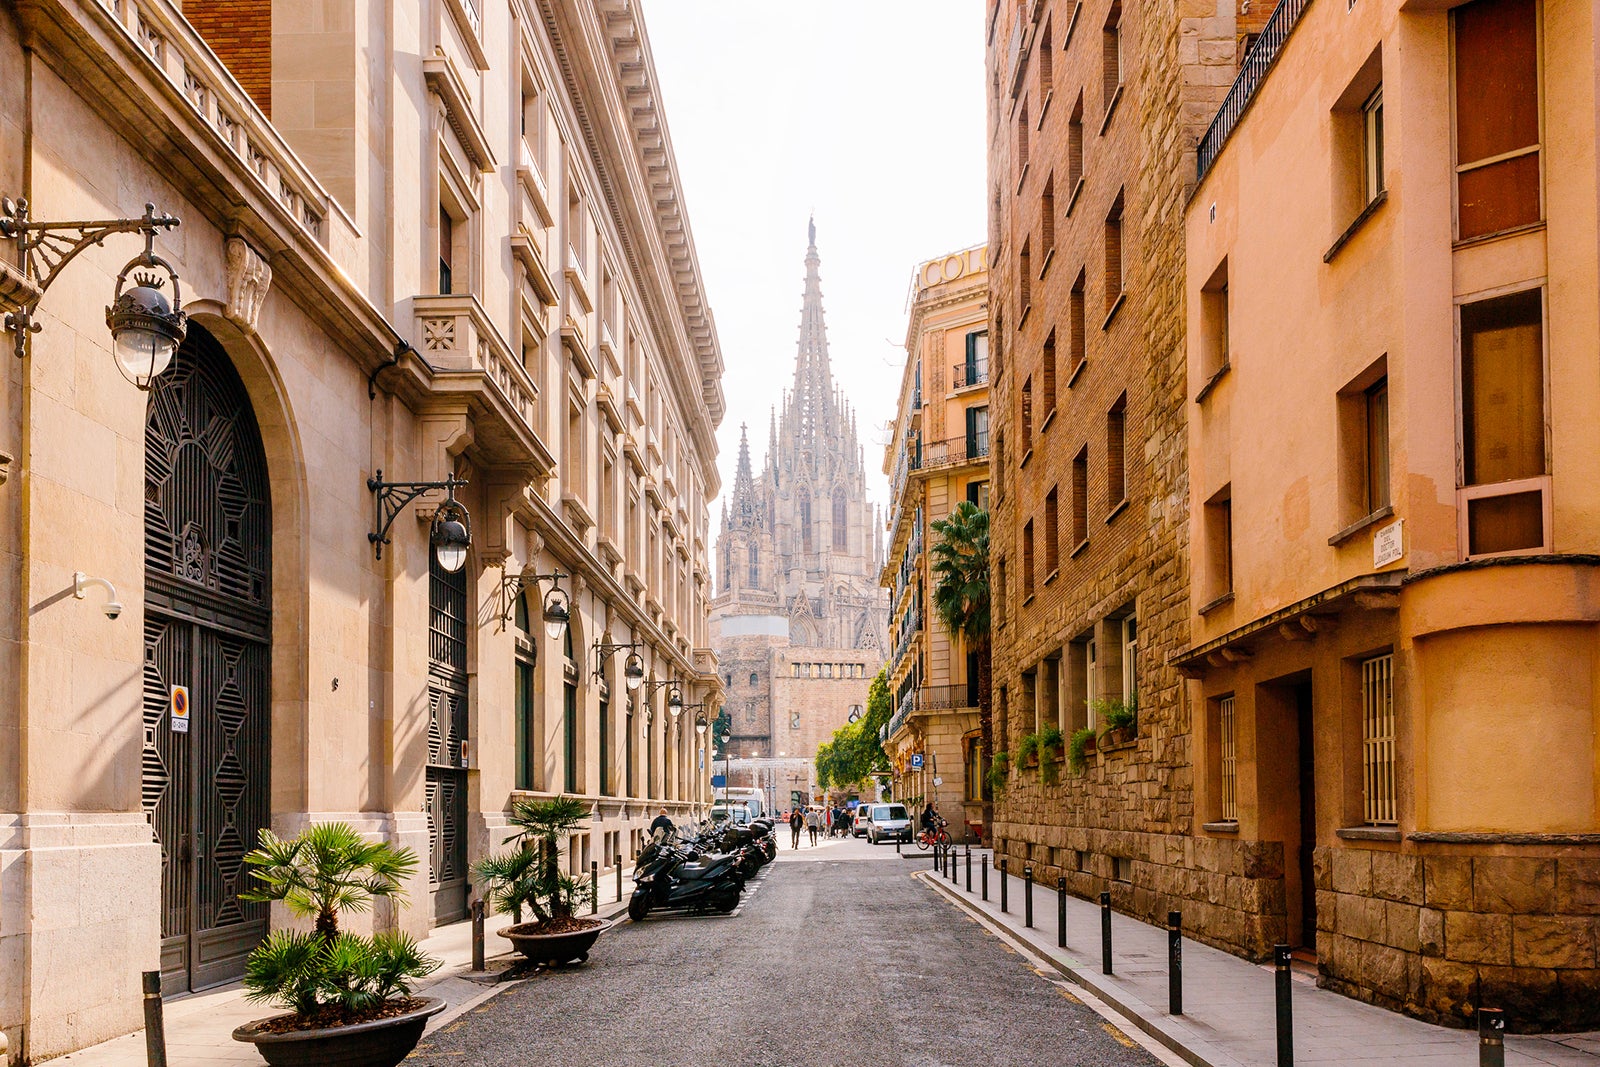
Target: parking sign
point(916, 761)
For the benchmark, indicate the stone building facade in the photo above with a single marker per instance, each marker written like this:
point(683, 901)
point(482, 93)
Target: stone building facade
point(1094, 110)
point(1392, 293)
point(938, 456)
point(798, 620)
point(443, 241)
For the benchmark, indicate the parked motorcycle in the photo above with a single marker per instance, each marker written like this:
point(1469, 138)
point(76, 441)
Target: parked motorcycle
point(668, 874)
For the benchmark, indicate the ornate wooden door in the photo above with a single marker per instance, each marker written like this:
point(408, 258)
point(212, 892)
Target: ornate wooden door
point(208, 528)
point(446, 780)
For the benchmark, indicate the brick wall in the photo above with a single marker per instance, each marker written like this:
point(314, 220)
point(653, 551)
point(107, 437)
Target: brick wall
point(240, 33)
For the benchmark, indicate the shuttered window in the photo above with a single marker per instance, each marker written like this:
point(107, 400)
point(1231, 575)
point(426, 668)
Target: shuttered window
point(1495, 48)
point(1377, 739)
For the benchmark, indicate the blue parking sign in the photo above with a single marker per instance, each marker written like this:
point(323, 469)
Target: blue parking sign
point(916, 761)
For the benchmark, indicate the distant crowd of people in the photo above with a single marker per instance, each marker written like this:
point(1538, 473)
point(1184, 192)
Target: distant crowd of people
point(816, 822)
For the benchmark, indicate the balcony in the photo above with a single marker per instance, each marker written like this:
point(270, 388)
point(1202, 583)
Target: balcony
point(967, 375)
point(1252, 72)
point(947, 697)
point(955, 451)
point(468, 357)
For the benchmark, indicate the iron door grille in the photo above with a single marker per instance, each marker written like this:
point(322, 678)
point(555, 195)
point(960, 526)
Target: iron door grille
point(445, 785)
point(1377, 739)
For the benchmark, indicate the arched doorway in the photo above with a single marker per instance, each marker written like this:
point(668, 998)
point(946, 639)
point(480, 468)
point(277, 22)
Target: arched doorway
point(208, 552)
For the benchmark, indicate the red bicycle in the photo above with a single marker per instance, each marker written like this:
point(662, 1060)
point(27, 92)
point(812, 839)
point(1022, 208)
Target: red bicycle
point(937, 836)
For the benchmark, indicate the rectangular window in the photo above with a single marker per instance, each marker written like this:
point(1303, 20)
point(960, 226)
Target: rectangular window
point(1075, 687)
point(1074, 150)
point(1377, 740)
point(1214, 324)
point(1025, 417)
point(1080, 497)
point(1111, 57)
point(1046, 65)
point(1047, 376)
point(1091, 684)
point(1000, 591)
point(1219, 543)
point(976, 367)
point(526, 746)
point(1130, 661)
point(1022, 138)
point(1024, 282)
point(1116, 452)
point(447, 242)
point(1495, 53)
point(605, 741)
point(978, 495)
point(1229, 744)
point(1114, 278)
point(569, 731)
point(1047, 223)
point(1027, 557)
point(1377, 442)
point(1078, 334)
point(1503, 424)
point(1052, 526)
point(1372, 144)
point(977, 432)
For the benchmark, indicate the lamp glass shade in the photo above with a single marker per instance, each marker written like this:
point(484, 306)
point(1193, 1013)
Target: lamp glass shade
point(556, 614)
point(144, 333)
point(633, 672)
point(450, 544)
point(675, 702)
point(700, 727)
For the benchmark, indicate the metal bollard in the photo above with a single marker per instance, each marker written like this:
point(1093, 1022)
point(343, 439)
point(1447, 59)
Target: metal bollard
point(955, 865)
point(1105, 932)
point(477, 935)
point(1061, 911)
point(1004, 893)
point(619, 877)
point(1491, 1037)
point(155, 1030)
point(1027, 896)
point(1280, 967)
point(594, 884)
point(1175, 962)
point(983, 868)
point(969, 868)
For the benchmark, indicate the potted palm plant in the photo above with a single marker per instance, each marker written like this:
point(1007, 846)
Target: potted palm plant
point(529, 877)
point(349, 997)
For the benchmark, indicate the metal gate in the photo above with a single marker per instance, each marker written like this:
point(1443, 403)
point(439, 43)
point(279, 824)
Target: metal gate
point(446, 784)
point(208, 528)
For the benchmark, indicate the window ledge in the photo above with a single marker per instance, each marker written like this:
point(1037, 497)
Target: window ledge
point(1122, 505)
point(1499, 235)
point(1360, 220)
point(1044, 268)
point(1221, 826)
point(1026, 456)
point(1116, 306)
point(1050, 417)
point(1024, 316)
point(1044, 108)
point(1111, 109)
point(1211, 382)
point(1077, 370)
point(1072, 197)
point(1022, 176)
point(1356, 527)
point(1216, 602)
point(1052, 576)
point(1081, 545)
point(1027, 600)
point(1368, 833)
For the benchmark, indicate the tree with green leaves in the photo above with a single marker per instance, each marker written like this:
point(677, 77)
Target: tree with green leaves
point(855, 751)
point(961, 595)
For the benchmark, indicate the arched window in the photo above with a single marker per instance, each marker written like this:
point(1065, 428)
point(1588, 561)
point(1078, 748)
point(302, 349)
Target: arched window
point(755, 566)
point(841, 525)
point(805, 522)
point(753, 679)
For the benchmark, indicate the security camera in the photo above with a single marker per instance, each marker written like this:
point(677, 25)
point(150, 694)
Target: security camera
point(80, 589)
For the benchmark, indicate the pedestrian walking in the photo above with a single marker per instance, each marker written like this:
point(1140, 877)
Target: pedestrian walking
point(813, 824)
point(796, 824)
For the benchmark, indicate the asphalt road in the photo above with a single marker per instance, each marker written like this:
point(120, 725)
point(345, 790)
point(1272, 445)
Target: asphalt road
point(836, 958)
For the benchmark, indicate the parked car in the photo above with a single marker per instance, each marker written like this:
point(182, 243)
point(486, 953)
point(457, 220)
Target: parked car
point(861, 817)
point(889, 822)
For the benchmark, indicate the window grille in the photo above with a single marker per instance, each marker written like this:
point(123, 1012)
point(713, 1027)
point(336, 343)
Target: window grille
point(1230, 761)
point(1377, 739)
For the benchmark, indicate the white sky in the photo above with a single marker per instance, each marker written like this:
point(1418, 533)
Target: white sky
point(867, 112)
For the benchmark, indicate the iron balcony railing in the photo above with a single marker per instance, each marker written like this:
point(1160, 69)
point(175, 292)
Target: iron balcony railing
point(946, 697)
point(907, 703)
point(1257, 62)
point(955, 450)
point(966, 374)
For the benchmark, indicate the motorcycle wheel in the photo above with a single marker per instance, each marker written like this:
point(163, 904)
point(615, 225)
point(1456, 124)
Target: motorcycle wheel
point(727, 901)
point(638, 908)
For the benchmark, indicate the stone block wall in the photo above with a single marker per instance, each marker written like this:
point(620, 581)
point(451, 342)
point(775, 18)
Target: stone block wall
point(1436, 934)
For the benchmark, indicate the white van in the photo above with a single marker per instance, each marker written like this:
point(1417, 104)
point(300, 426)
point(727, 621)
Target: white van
point(888, 822)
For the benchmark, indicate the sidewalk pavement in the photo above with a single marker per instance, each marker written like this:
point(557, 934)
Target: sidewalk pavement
point(199, 1026)
point(1229, 1015)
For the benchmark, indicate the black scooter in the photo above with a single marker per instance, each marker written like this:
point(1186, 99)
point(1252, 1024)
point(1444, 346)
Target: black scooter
point(665, 877)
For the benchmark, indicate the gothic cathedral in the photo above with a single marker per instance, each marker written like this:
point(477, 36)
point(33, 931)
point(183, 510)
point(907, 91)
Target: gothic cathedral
point(800, 620)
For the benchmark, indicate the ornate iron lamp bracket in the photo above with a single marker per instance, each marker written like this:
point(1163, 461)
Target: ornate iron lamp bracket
point(391, 498)
point(513, 585)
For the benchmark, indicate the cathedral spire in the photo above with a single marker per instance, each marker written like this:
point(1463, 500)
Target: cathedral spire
point(746, 508)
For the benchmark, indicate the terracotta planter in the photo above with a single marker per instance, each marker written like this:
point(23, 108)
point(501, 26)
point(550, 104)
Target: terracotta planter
point(379, 1043)
point(554, 949)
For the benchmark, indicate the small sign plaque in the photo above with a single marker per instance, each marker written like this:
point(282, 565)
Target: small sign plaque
point(1387, 545)
point(719, 781)
point(180, 709)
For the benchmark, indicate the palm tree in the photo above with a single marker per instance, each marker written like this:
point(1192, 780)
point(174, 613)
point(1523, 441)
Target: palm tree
point(329, 868)
point(961, 596)
point(529, 875)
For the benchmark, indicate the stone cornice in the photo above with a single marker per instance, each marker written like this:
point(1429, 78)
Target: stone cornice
point(605, 59)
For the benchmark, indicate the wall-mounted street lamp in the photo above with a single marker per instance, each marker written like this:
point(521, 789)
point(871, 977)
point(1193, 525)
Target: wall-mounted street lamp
point(451, 534)
point(674, 694)
point(145, 330)
point(632, 667)
point(557, 605)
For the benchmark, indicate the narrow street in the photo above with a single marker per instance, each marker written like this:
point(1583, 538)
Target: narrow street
point(836, 958)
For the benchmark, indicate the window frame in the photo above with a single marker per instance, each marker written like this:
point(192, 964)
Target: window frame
point(1457, 168)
